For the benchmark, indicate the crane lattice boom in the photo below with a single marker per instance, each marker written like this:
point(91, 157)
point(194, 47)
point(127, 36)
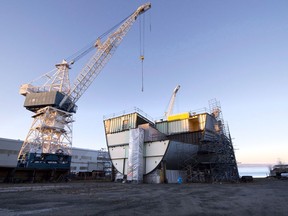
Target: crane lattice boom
point(172, 101)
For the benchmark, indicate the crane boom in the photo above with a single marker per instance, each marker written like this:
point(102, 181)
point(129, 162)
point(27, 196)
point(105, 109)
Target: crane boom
point(172, 100)
point(101, 57)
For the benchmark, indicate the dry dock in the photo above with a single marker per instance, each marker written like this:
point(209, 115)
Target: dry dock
point(261, 197)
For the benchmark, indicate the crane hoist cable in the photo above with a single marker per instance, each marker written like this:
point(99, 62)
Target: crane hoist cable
point(150, 26)
point(90, 46)
point(142, 46)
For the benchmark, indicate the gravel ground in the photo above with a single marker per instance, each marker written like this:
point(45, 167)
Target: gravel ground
point(261, 197)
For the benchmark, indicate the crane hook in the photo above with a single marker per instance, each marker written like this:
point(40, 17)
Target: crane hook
point(142, 59)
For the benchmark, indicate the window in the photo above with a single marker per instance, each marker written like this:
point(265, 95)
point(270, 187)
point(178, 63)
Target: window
point(86, 157)
point(125, 125)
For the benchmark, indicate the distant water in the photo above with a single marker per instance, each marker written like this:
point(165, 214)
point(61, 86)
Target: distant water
point(257, 171)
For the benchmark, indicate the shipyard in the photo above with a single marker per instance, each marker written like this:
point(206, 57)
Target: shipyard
point(173, 110)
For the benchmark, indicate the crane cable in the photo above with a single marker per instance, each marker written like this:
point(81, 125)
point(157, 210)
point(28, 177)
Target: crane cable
point(90, 46)
point(142, 43)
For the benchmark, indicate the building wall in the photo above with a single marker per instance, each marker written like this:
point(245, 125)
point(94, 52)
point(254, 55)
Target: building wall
point(9, 150)
point(86, 160)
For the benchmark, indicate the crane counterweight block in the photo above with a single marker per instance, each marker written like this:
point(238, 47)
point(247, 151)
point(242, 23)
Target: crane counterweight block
point(36, 101)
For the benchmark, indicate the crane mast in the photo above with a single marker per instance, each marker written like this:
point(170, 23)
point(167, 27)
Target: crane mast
point(49, 140)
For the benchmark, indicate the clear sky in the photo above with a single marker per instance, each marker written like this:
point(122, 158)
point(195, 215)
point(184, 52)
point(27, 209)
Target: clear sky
point(234, 51)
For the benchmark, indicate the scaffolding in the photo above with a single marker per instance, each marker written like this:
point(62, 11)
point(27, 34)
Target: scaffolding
point(104, 159)
point(215, 159)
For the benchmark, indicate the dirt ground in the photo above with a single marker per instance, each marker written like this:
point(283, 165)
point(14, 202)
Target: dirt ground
point(261, 197)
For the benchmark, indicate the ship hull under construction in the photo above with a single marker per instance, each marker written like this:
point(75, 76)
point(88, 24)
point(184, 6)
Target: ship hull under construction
point(191, 147)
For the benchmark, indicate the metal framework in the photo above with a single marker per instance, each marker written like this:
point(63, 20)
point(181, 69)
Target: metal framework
point(215, 160)
point(50, 132)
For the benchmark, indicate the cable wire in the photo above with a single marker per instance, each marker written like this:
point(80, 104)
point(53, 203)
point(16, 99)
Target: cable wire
point(90, 46)
point(142, 50)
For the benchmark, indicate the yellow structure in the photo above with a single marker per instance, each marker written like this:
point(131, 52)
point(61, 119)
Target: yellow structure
point(178, 116)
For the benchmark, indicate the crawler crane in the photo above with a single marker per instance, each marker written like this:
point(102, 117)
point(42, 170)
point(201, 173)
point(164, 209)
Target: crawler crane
point(49, 140)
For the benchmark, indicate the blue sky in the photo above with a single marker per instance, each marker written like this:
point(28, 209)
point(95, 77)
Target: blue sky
point(234, 51)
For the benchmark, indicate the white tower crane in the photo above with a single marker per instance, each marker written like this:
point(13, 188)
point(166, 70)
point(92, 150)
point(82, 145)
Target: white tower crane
point(172, 101)
point(49, 140)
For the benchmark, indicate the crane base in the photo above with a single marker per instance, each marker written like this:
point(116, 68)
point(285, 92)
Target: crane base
point(44, 161)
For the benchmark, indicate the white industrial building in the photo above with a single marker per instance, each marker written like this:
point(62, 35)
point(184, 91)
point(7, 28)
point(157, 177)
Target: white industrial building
point(87, 160)
point(83, 160)
point(9, 150)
